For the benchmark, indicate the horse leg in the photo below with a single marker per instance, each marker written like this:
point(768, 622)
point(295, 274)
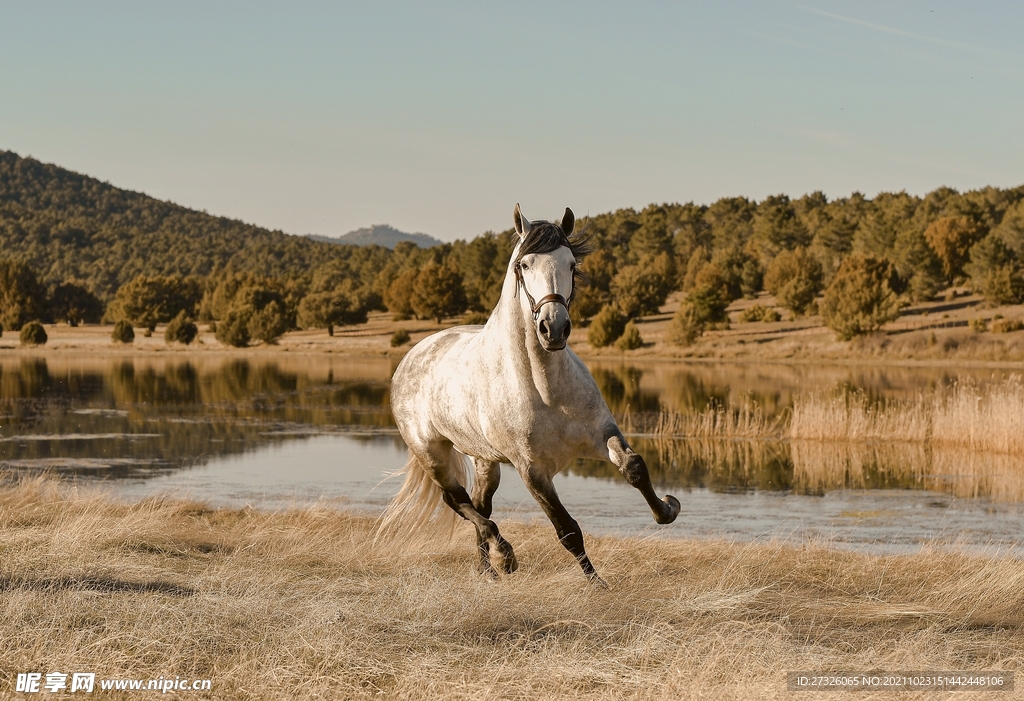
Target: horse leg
point(486, 476)
point(458, 499)
point(566, 528)
point(634, 469)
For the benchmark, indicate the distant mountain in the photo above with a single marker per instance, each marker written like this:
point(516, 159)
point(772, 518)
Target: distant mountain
point(379, 235)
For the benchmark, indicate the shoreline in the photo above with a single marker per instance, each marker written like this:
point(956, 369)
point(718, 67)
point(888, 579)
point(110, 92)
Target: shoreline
point(933, 334)
point(337, 348)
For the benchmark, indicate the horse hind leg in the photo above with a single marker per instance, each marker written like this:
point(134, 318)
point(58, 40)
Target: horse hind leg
point(486, 477)
point(457, 498)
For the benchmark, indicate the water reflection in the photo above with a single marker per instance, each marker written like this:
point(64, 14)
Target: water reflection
point(816, 467)
point(138, 417)
point(131, 418)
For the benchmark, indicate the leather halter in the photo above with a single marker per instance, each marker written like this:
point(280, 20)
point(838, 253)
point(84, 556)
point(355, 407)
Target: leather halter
point(535, 306)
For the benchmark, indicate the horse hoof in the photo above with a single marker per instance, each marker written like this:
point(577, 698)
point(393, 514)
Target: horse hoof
point(597, 582)
point(509, 564)
point(671, 510)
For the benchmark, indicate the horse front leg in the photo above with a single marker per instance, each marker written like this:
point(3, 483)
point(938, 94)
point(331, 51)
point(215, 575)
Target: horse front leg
point(634, 469)
point(566, 528)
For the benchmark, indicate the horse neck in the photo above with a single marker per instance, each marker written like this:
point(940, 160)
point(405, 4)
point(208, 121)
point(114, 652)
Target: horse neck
point(514, 340)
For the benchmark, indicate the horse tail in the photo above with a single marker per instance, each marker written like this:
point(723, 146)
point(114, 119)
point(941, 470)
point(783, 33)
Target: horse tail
point(418, 507)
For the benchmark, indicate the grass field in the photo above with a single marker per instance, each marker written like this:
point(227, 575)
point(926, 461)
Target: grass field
point(301, 604)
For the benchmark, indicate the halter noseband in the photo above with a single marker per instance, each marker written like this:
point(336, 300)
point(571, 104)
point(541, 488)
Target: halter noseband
point(535, 306)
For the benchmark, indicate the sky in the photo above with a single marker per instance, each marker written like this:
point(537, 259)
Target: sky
point(438, 117)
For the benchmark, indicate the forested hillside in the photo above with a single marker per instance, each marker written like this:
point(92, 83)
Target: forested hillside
point(70, 227)
point(74, 249)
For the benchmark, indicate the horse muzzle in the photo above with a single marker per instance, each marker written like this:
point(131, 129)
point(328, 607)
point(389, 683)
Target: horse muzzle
point(553, 328)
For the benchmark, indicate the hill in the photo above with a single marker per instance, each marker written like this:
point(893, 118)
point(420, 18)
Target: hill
point(71, 227)
point(379, 235)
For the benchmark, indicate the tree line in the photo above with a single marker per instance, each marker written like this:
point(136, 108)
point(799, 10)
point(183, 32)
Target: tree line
point(80, 250)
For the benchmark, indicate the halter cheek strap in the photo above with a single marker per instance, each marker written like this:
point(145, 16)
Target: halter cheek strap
point(535, 306)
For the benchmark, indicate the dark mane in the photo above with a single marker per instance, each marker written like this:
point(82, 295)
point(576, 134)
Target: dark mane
point(545, 236)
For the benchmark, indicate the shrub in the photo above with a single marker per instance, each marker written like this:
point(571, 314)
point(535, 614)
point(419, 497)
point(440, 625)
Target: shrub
point(979, 325)
point(760, 313)
point(709, 304)
point(860, 298)
point(181, 329)
point(150, 300)
point(795, 278)
point(716, 276)
point(606, 327)
point(1004, 285)
point(269, 323)
point(399, 338)
point(475, 318)
point(754, 313)
point(33, 334)
point(123, 332)
point(344, 305)
point(686, 327)
point(630, 338)
point(233, 329)
point(22, 297)
point(1007, 325)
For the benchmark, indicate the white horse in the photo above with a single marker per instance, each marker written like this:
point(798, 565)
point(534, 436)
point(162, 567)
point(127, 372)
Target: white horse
point(509, 391)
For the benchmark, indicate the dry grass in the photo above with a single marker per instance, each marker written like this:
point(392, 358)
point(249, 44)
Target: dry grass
point(746, 421)
point(964, 439)
point(300, 604)
point(961, 416)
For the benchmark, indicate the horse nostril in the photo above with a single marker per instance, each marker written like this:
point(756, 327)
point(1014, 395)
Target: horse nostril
point(544, 328)
point(568, 328)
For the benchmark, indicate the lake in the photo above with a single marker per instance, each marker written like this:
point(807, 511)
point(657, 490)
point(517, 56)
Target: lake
point(300, 429)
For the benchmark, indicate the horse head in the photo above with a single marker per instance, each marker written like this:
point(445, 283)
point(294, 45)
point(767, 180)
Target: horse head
point(544, 264)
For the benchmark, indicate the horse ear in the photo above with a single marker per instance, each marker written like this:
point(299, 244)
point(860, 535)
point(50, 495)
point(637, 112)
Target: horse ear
point(522, 223)
point(568, 221)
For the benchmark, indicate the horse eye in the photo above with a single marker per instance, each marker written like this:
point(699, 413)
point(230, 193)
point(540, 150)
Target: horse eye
point(523, 266)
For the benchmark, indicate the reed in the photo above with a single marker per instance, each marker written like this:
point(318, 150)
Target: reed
point(748, 420)
point(963, 415)
point(301, 604)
